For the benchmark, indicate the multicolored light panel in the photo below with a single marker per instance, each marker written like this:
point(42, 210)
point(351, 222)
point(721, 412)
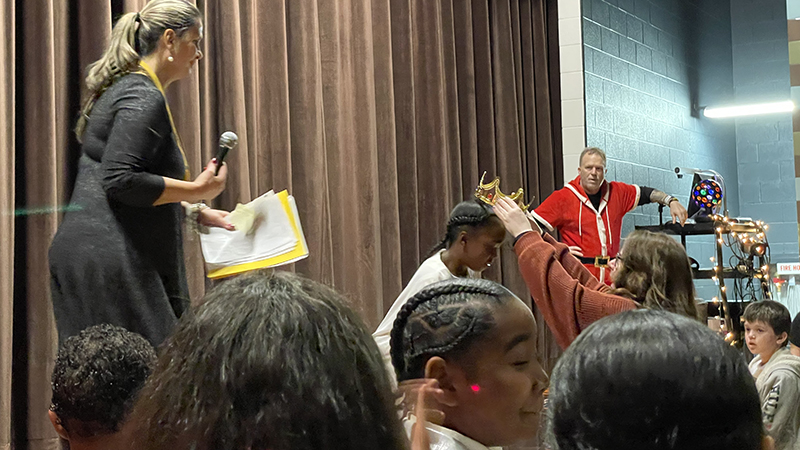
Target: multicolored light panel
point(707, 194)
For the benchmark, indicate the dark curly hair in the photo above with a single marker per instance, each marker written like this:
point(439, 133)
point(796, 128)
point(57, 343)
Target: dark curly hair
point(444, 319)
point(269, 361)
point(466, 216)
point(654, 380)
point(96, 378)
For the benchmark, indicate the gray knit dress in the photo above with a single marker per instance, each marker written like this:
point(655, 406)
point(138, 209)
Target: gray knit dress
point(116, 258)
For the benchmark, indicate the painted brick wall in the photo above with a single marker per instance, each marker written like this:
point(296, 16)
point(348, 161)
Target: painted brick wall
point(646, 63)
point(764, 144)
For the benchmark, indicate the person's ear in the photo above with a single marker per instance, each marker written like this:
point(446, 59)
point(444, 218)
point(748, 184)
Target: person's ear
point(57, 425)
point(462, 237)
point(782, 338)
point(438, 369)
point(170, 38)
point(767, 443)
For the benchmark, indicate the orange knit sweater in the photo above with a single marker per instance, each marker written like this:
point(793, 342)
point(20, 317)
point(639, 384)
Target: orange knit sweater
point(569, 297)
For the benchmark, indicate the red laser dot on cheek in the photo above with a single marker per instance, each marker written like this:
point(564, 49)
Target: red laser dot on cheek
point(475, 388)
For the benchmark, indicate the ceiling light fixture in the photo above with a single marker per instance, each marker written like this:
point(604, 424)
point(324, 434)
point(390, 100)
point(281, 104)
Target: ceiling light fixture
point(748, 110)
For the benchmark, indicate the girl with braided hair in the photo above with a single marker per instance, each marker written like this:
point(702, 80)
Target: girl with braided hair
point(470, 244)
point(477, 340)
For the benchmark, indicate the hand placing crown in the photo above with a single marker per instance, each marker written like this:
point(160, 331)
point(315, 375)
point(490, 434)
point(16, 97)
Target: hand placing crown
point(489, 193)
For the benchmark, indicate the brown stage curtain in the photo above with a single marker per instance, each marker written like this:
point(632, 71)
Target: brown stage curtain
point(377, 115)
point(7, 140)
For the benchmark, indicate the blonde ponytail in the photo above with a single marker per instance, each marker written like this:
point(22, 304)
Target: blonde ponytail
point(119, 58)
point(133, 36)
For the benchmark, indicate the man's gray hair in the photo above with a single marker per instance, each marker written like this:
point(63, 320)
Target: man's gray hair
point(592, 151)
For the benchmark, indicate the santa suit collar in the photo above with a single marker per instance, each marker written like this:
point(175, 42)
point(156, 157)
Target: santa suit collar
point(605, 235)
point(577, 189)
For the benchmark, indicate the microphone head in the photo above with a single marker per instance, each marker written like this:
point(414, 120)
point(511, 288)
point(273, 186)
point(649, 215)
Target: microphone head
point(228, 139)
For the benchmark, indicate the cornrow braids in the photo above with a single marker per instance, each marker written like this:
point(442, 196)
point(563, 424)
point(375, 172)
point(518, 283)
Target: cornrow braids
point(466, 215)
point(443, 319)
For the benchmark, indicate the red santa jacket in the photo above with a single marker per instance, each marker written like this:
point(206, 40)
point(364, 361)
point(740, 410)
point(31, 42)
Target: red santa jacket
point(596, 232)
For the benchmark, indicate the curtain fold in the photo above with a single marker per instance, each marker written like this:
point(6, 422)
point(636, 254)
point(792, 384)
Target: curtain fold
point(44, 128)
point(378, 116)
point(7, 200)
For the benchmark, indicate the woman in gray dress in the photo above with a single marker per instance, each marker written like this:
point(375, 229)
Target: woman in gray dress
point(118, 258)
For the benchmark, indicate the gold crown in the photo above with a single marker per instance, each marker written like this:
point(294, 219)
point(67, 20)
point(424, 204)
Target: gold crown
point(490, 193)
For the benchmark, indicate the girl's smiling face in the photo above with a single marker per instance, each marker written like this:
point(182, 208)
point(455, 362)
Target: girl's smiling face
point(498, 384)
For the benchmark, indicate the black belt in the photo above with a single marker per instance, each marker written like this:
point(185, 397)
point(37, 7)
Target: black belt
point(598, 261)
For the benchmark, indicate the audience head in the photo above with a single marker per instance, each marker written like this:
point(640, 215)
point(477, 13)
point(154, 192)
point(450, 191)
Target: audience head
point(592, 169)
point(479, 341)
point(653, 380)
point(97, 376)
point(653, 269)
point(135, 35)
point(269, 362)
point(794, 336)
point(766, 327)
point(474, 234)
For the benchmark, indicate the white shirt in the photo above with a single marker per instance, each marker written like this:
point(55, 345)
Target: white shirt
point(755, 366)
point(442, 438)
point(429, 272)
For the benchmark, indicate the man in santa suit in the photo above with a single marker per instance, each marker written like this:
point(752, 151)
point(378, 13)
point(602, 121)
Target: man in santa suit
point(588, 212)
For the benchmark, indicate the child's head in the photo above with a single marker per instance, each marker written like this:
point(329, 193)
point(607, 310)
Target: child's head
point(654, 269)
point(766, 327)
point(97, 376)
point(479, 341)
point(648, 379)
point(474, 234)
point(269, 362)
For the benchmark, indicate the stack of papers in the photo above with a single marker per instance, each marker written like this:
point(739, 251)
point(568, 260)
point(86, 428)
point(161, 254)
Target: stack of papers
point(268, 234)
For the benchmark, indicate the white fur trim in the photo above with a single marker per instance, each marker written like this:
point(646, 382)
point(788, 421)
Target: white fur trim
point(541, 220)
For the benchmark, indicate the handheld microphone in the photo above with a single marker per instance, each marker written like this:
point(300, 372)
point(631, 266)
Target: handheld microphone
point(227, 141)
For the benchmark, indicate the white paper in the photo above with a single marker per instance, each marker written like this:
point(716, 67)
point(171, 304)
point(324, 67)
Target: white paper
point(272, 236)
point(299, 230)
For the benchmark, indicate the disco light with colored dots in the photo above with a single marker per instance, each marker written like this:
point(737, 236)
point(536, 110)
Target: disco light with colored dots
point(707, 194)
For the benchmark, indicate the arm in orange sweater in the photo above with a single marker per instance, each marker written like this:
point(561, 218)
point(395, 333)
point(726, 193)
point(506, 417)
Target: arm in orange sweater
point(573, 266)
point(567, 305)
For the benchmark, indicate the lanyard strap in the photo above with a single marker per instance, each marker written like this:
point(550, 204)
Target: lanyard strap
point(147, 70)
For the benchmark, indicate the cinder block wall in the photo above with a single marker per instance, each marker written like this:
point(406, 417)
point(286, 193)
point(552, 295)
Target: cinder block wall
point(765, 151)
point(648, 65)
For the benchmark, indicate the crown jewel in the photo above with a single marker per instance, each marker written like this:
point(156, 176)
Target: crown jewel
point(489, 193)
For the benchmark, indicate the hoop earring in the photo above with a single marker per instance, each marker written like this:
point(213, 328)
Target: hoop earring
point(170, 58)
